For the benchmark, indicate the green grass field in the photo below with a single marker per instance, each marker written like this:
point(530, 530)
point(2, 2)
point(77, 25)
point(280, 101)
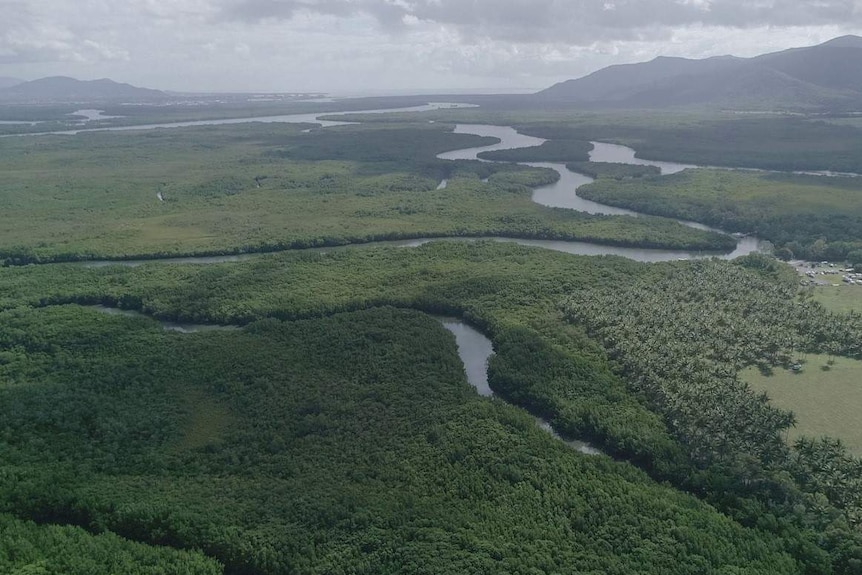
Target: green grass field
point(842, 299)
point(825, 402)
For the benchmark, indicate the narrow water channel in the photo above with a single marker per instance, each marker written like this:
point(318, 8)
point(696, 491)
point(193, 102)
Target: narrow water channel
point(614, 153)
point(475, 349)
point(560, 194)
point(178, 327)
point(311, 118)
point(563, 192)
point(645, 255)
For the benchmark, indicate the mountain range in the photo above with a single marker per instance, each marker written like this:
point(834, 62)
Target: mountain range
point(63, 89)
point(7, 82)
point(823, 77)
point(826, 77)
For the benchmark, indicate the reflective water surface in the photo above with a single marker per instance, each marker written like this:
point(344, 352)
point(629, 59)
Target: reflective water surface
point(475, 349)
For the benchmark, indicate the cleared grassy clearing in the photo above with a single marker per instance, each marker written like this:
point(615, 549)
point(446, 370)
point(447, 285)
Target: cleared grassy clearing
point(826, 402)
point(843, 298)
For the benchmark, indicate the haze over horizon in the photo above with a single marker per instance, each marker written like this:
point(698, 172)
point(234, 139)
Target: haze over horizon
point(352, 47)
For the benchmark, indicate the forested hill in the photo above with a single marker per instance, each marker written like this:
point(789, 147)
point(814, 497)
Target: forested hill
point(63, 89)
point(7, 82)
point(826, 76)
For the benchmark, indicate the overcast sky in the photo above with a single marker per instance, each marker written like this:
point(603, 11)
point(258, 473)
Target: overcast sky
point(357, 46)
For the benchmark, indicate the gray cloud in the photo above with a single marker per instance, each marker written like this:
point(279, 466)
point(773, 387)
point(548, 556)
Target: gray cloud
point(388, 13)
point(350, 45)
point(577, 22)
point(258, 10)
point(24, 37)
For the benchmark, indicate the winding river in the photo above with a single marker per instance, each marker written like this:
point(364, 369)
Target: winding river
point(561, 194)
point(179, 327)
point(646, 255)
point(617, 154)
point(311, 118)
point(474, 349)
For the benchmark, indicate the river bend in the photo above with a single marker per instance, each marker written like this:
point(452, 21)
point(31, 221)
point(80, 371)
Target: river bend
point(475, 349)
point(560, 194)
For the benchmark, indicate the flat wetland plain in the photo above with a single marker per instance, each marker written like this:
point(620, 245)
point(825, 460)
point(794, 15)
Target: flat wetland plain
point(264, 187)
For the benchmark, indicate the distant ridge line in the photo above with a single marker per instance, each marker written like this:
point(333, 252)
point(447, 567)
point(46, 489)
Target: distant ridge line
point(825, 76)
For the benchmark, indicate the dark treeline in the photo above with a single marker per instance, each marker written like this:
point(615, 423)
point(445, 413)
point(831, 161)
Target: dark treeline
point(550, 151)
point(27, 548)
point(612, 170)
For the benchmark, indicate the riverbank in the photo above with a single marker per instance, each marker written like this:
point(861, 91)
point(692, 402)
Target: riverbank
point(474, 349)
point(257, 194)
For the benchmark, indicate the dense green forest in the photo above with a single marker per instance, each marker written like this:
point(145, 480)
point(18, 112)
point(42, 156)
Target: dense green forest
point(269, 187)
point(706, 321)
point(27, 548)
point(807, 217)
point(350, 444)
point(330, 427)
point(542, 311)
